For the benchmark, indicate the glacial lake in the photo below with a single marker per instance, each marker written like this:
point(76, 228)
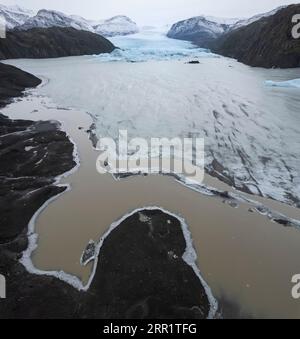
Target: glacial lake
point(252, 129)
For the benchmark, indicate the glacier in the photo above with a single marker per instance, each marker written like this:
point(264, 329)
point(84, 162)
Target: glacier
point(152, 45)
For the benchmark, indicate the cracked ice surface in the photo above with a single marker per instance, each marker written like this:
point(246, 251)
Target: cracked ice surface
point(251, 129)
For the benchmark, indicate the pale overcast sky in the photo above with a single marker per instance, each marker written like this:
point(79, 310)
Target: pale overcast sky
point(148, 12)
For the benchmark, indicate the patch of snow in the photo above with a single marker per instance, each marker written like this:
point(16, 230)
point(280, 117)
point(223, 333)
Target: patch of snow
point(143, 218)
point(222, 21)
point(29, 148)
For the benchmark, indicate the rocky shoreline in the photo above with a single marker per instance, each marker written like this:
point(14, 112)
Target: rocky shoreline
point(141, 272)
point(28, 156)
point(13, 82)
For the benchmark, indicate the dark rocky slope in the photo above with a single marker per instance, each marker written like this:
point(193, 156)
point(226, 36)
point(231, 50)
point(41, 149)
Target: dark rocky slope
point(28, 166)
point(25, 184)
point(265, 43)
point(52, 42)
point(13, 82)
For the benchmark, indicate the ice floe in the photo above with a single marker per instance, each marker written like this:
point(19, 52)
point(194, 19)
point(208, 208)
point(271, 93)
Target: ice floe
point(295, 83)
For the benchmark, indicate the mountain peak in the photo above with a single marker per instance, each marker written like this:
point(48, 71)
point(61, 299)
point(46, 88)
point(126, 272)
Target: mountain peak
point(15, 15)
point(200, 29)
point(117, 25)
point(49, 18)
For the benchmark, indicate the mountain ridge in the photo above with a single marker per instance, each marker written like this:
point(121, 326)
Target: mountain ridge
point(50, 18)
point(267, 42)
point(53, 42)
point(117, 25)
point(21, 19)
point(14, 15)
point(200, 30)
point(203, 30)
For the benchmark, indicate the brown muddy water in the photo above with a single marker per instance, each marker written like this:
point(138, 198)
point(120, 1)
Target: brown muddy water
point(247, 260)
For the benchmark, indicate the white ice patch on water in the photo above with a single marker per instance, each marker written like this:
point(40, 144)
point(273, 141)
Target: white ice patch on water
point(29, 148)
point(295, 83)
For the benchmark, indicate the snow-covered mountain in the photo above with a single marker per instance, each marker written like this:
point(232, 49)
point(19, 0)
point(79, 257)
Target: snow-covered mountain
point(222, 21)
point(246, 22)
point(118, 25)
point(48, 18)
point(263, 43)
point(15, 15)
point(23, 19)
point(201, 29)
